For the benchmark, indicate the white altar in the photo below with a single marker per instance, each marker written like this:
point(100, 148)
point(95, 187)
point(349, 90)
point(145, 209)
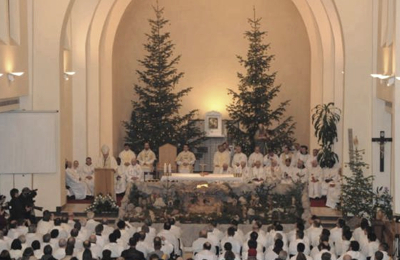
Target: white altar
point(186, 177)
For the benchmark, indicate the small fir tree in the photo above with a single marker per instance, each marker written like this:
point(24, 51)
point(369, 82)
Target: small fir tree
point(252, 104)
point(155, 117)
point(357, 190)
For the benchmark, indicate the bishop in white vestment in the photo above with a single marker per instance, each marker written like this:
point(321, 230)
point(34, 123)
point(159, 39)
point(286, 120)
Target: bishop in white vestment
point(185, 160)
point(106, 160)
point(146, 159)
point(314, 180)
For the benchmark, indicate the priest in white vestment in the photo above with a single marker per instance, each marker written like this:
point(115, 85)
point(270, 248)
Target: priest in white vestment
point(87, 174)
point(303, 155)
point(258, 171)
point(226, 169)
point(331, 186)
point(77, 187)
point(255, 156)
point(300, 173)
point(106, 160)
point(287, 172)
point(126, 156)
point(146, 160)
point(314, 180)
point(269, 157)
point(185, 160)
point(238, 157)
point(120, 178)
point(221, 158)
point(134, 172)
point(286, 154)
point(273, 173)
point(244, 171)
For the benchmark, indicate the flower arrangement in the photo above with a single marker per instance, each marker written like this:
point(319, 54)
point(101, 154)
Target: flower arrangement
point(103, 204)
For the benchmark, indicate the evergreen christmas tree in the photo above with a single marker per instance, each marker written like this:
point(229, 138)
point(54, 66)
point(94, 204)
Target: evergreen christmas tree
point(357, 190)
point(155, 117)
point(252, 104)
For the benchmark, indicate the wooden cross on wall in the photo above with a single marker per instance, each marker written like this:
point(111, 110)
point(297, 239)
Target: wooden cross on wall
point(382, 140)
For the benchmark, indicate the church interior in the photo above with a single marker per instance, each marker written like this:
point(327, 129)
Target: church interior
point(80, 113)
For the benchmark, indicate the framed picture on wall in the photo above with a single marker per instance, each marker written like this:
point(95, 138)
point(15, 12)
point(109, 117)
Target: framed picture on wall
point(213, 124)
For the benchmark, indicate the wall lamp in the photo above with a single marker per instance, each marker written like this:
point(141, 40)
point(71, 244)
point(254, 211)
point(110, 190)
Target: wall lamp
point(390, 79)
point(1, 75)
point(68, 74)
point(11, 75)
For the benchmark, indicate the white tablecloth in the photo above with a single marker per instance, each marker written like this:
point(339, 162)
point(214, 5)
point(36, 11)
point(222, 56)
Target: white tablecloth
point(197, 177)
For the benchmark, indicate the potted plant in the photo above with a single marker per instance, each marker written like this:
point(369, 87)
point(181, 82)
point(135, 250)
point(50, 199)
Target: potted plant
point(325, 118)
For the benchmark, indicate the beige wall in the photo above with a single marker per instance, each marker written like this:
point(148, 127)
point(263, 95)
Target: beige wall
point(14, 58)
point(209, 35)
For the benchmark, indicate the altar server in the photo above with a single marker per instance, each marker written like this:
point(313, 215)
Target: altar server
point(221, 158)
point(331, 187)
point(314, 180)
point(255, 156)
point(238, 157)
point(106, 160)
point(87, 174)
point(185, 160)
point(77, 187)
point(134, 172)
point(126, 156)
point(146, 159)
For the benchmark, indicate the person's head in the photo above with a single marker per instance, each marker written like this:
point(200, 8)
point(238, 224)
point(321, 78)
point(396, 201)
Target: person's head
point(347, 235)
point(54, 233)
point(148, 222)
point(22, 238)
point(256, 225)
point(35, 245)
point(134, 161)
point(167, 225)
point(145, 229)
point(71, 241)
point(92, 239)
point(78, 225)
point(28, 252)
point(14, 193)
point(69, 250)
point(133, 241)
point(62, 243)
point(282, 255)
point(314, 163)
point(378, 255)
point(271, 152)
point(99, 229)
point(221, 148)
point(384, 247)
point(296, 146)
point(126, 147)
point(186, 147)
point(87, 254)
point(86, 244)
point(243, 164)
point(48, 250)
point(154, 257)
point(207, 246)
point(68, 164)
point(301, 248)
point(347, 257)
point(105, 150)
point(121, 224)
point(257, 164)
point(231, 231)
point(364, 224)
point(254, 235)
point(106, 254)
point(288, 161)
point(257, 149)
point(88, 161)
point(303, 149)
point(299, 234)
point(252, 244)
point(326, 256)
point(112, 238)
point(300, 226)
point(279, 227)
point(300, 256)
point(229, 255)
point(146, 146)
point(46, 238)
point(286, 149)
point(315, 152)
point(371, 237)
point(46, 216)
point(317, 222)
point(57, 222)
point(225, 167)
point(300, 164)
point(5, 255)
point(274, 163)
point(16, 244)
point(340, 223)
point(203, 233)
point(157, 243)
point(117, 233)
point(278, 244)
point(142, 235)
point(76, 164)
point(238, 149)
point(326, 232)
point(354, 246)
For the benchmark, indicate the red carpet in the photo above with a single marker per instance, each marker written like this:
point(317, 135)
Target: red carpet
point(318, 202)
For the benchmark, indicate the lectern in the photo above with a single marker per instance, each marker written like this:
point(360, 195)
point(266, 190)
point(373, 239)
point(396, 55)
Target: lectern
point(104, 181)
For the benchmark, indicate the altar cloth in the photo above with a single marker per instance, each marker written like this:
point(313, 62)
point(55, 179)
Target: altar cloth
point(213, 177)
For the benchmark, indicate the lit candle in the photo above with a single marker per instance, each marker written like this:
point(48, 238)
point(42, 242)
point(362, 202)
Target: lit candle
point(165, 168)
point(169, 168)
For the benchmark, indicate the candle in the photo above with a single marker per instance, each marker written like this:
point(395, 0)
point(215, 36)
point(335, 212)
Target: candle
point(169, 168)
point(165, 168)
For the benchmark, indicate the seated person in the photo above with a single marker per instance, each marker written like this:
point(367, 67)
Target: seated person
point(185, 160)
point(221, 158)
point(134, 172)
point(77, 187)
point(256, 156)
point(314, 180)
point(287, 172)
point(258, 172)
point(300, 173)
point(226, 169)
point(273, 172)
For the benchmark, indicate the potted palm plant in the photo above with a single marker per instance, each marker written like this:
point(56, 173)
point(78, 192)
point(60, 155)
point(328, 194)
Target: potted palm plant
point(325, 118)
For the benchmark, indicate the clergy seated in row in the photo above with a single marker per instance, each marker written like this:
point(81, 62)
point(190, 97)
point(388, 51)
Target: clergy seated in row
point(146, 160)
point(185, 160)
point(76, 184)
point(125, 174)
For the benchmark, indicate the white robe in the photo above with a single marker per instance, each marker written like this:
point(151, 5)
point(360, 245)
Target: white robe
point(146, 159)
point(77, 187)
point(109, 162)
point(254, 157)
point(85, 171)
point(134, 171)
point(229, 170)
point(314, 182)
point(185, 157)
point(273, 174)
point(268, 159)
point(300, 175)
point(219, 160)
point(258, 173)
point(126, 156)
point(120, 183)
point(238, 158)
point(287, 174)
point(331, 187)
point(284, 156)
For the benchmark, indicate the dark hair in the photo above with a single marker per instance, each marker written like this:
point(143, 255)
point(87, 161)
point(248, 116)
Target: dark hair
point(167, 225)
point(13, 192)
point(207, 246)
point(378, 255)
point(231, 231)
point(87, 254)
point(35, 245)
point(16, 244)
point(326, 232)
point(300, 226)
point(229, 255)
point(300, 256)
point(106, 254)
point(46, 216)
point(117, 233)
point(279, 227)
point(99, 228)
point(371, 237)
point(54, 233)
point(132, 241)
point(48, 250)
point(5, 255)
point(278, 246)
point(69, 250)
point(154, 256)
point(301, 247)
point(253, 235)
point(355, 246)
point(121, 224)
point(28, 251)
point(46, 238)
point(385, 246)
point(347, 235)
point(300, 234)
point(252, 244)
point(341, 222)
point(326, 256)
point(112, 238)
point(78, 225)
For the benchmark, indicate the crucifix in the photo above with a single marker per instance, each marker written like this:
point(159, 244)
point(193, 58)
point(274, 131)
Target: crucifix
point(382, 140)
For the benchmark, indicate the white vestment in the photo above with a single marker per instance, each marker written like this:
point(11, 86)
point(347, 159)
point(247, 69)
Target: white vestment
point(146, 159)
point(120, 180)
point(134, 171)
point(108, 162)
point(229, 170)
point(268, 159)
point(220, 159)
point(287, 174)
point(300, 175)
point(284, 156)
point(185, 157)
point(273, 174)
point(238, 158)
point(254, 157)
point(88, 171)
point(331, 187)
point(77, 187)
point(258, 173)
point(314, 182)
point(126, 156)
